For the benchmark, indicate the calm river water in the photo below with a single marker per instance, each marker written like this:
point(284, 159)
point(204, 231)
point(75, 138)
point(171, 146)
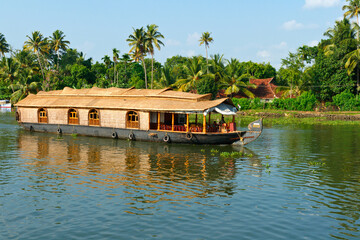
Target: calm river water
point(292, 183)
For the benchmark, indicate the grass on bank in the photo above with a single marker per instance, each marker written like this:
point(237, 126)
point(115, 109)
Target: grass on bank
point(281, 117)
point(291, 120)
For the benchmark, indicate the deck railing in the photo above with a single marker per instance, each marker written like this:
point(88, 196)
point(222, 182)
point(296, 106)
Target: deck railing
point(196, 128)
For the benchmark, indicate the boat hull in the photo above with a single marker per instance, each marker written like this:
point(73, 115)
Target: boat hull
point(240, 137)
point(137, 135)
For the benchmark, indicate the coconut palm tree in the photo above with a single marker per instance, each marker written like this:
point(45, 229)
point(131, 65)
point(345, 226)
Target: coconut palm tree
point(138, 43)
point(217, 67)
point(167, 77)
point(194, 72)
point(20, 91)
point(37, 43)
point(4, 46)
point(57, 43)
point(353, 10)
point(206, 40)
point(126, 59)
point(236, 79)
point(153, 37)
point(10, 70)
point(115, 59)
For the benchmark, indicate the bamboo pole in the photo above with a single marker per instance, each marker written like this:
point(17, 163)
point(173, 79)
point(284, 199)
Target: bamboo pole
point(204, 124)
point(158, 121)
point(187, 122)
point(172, 121)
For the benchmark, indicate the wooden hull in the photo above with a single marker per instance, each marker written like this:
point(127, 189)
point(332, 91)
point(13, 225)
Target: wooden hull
point(241, 137)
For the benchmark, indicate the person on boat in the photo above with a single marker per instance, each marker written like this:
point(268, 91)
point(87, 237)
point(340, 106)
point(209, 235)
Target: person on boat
point(215, 127)
point(222, 121)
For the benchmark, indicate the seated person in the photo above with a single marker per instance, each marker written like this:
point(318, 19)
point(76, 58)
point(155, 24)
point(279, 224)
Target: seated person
point(214, 124)
point(222, 120)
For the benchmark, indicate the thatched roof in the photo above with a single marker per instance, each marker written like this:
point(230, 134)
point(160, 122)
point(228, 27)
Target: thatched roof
point(126, 99)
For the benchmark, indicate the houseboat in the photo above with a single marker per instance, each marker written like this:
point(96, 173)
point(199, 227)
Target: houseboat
point(161, 115)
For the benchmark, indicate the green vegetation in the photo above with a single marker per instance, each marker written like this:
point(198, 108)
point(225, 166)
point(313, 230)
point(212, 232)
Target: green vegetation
point(291, 120)
point(325, 76)
point(235, 154)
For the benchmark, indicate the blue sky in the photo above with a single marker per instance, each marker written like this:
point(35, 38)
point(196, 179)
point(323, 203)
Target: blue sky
point(257, 30)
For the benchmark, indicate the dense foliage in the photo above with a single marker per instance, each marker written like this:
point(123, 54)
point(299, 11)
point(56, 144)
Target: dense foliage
point(328, 72)
point(305, 102)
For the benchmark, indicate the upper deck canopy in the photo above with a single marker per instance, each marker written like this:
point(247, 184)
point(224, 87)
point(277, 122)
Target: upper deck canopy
point(161, 100)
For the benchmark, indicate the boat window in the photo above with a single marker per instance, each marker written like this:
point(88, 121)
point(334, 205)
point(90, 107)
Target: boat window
point(42, 115)
point(94, 117)
point(73, 116)
point(132, 120)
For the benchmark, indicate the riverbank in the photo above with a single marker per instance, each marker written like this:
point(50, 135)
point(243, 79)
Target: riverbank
point(343, 116)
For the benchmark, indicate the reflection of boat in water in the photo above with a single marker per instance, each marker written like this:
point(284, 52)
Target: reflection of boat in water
point(5, 106)
point(159, 115)
point(111, 156)
point(125, 162)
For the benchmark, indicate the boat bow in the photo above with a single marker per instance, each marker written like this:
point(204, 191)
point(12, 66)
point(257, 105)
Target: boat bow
point(255, 129)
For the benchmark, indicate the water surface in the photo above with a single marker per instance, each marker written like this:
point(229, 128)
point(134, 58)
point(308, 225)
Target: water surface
point(294, 182)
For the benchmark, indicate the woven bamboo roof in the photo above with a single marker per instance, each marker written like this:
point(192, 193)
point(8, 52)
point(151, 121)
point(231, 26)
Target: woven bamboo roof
point(125, 99)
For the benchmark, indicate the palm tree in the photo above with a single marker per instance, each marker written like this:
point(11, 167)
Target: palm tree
point(217, 67)
point(20, 91)
point(57, 43)
point(10, 70)
point(107, 61)
point(353, 10)
point(153, 37)
point(138, 41)
point(206, 39)
point(126, 59)
point(167, 77)
point(115, 59)
point(39, 45)
point(4, 46)
point(236, 79)
point(194, 72)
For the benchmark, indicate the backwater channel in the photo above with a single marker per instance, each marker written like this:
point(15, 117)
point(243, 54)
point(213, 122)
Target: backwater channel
point(294, 182)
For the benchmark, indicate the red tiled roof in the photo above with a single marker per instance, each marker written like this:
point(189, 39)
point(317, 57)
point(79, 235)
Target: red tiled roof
point(258, 82)
point(264, 89)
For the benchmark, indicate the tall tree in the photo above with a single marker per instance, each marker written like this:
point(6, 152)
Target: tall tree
point(20, 91)
point(57, 43)
point(4, 46)
point(217, 67)
point(125, 59)
point(39, 44)
point(353, 10)
point(194, 72)
point(137, 42)
point(206, 40)
point(10, 70)
point(115, 59)
point(153, 38)
point(236, 79)
point(106, 60)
